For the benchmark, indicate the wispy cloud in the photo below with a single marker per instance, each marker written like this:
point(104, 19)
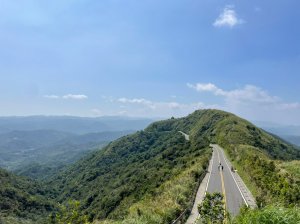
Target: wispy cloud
point(250, 101)
point(206, 87)
point(228, 18)
point(75, 97)
point(247, 93)
point(160, 108)
point(142, 101)
point(67, 97)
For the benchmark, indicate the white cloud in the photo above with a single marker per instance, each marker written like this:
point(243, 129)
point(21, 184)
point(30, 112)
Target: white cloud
point(174, 105)
point(251, 102)
point(228, 18)
point(67, 97)
point(51, 96)
point(248, 93)
point(206, 87)
point(138, 106)
point(142, 101)
point(75, 97)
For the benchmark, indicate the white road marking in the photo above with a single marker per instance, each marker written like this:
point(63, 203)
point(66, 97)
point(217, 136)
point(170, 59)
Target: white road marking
point(234, 179)
point(212, 163)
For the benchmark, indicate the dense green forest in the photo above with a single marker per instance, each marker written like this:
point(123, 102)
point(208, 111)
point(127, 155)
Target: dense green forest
point(150, 176)
point(22, 199)
point(139, 164)
point(40, 154)
point(133, 169)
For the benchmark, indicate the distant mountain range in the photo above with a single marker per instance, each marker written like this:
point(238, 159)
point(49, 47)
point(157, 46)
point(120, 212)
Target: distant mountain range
point(32, 153)
point(37, 146)
point(290, 133)
point(69, 124)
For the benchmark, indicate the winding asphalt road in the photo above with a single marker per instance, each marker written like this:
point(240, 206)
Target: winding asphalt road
point(223, 181)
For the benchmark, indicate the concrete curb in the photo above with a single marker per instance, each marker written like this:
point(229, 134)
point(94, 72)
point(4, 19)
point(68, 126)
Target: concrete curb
point(200, 196)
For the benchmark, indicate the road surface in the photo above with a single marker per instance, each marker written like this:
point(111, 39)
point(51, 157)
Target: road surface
point(227, 182)
point(224, 181)
point(186, 136)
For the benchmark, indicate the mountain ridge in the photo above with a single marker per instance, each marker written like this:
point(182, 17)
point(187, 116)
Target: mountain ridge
point(149, 176)
point(72, 124)
point(203, 126)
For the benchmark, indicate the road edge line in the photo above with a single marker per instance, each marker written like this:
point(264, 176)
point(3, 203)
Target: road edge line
point(234, 178)
point(212, 163)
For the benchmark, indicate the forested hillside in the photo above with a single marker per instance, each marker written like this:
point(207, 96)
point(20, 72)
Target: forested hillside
point(112, 183)
point(39, 154)
point(150, 176)
point(22, 199)
point(118, 181)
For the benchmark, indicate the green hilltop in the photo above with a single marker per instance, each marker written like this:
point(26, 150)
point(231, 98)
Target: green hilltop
point(128, 177)
point(151, 175)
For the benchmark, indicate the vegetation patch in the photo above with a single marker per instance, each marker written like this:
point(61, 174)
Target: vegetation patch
point(212, 209)
point(268, 215)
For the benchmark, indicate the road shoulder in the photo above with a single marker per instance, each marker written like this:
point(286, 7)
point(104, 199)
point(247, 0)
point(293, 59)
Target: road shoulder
point(200, 196)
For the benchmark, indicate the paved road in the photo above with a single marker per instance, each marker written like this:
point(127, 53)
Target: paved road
point(186, 136)
point(227, 182)
point(223, 181)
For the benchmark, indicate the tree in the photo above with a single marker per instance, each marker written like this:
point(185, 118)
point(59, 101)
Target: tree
point(212, 209)
point(69, 214)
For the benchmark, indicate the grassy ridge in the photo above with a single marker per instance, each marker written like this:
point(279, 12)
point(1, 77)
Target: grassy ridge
point(133, 169)
point(149, 176)
point(116, 183)
point(122, 174)
point(271, 184)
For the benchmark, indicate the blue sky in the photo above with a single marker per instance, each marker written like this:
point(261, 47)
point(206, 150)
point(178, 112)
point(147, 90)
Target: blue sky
point(150, 58)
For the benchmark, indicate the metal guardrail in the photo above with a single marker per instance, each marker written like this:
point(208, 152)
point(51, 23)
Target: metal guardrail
point(185, 214)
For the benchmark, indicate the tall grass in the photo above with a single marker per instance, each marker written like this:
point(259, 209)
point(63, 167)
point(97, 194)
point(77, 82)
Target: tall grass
point(167, 202)
point(292, 167)
point(273, 214)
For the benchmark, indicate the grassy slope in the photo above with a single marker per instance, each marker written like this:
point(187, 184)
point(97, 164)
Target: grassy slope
point(276, 211)
point(128, 174)
point(291, 167)
point(269, 214)
point(166, 203)
point(133, 171)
